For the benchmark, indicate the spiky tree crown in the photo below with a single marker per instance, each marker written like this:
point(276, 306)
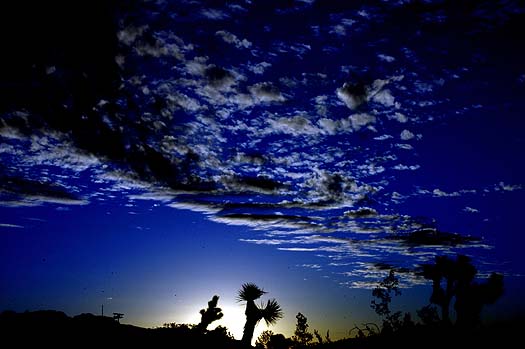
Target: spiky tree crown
point(249, 292)
point(271, 312)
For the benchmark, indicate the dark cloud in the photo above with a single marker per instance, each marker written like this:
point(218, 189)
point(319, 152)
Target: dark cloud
point(50, 59)
point(387, 266)
point(363, 212)
point(353, 94)
point(264, 217)
point(219, 77)
point(256, 183)
point(434, 237)
point(15, 191)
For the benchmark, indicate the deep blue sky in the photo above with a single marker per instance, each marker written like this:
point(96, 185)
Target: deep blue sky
point(155, 154)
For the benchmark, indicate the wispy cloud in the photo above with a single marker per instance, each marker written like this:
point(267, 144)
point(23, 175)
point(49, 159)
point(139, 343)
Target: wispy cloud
point(7, 225)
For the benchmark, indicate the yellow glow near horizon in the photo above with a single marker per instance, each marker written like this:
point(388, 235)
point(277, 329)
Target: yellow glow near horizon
point(233, 320)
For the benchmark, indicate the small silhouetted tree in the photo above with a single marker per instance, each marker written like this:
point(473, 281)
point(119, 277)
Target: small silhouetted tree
point(318, 337)
point(279, 341)
point(429, 315)
point(383, 293)
point(327, 337)
point(301, 335)
point(263, 339)
point(210, 314)
point(271, 312)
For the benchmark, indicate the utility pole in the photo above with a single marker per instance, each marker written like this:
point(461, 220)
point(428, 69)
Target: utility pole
point(102, 310)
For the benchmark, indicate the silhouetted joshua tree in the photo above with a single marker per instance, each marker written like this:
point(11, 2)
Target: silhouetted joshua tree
point(471, 299)
point(455, 278)
point(271, 312)
point(212, 313)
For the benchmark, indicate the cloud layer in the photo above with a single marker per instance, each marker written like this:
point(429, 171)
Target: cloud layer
point(294, 133)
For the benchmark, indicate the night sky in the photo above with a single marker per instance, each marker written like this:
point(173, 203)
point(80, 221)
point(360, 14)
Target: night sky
point(155, 153)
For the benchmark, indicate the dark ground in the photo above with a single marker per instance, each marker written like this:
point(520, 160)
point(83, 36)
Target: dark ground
point(54, 329)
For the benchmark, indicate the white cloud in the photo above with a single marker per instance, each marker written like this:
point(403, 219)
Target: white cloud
point(130, 34)
point(48, 148)
point(383, 137)
point(441, 193)
point(310, 266)
point(266, 92)
point(10, 132)
point(195, 207)
point(338, 29)
point(404, 146)
point(386, 58)
point(353, 123)
point(396, 196)
point(361, 119)
point(406, 135)
point(401, 167)
point(371, 169)
point(214, 14)
point(399, 117)
point(163, 196)
point(384, 97)
point(509, 187)
point(470, 209)
point(233, 39)
point(297, 125)
point(259, 68)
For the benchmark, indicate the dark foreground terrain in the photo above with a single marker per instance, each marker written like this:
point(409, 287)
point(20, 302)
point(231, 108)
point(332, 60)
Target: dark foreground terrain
point(55, 329)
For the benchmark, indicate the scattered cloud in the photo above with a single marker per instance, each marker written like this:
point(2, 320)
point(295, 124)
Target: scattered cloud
point(355, 94)
point(508, 187)
point(386, 58)
point(401, 167)
point(406, 135)
point(233, 39)
point(259, 68)
point(266, 92)
point(214, 14)
point(296, 125)
point(470, 209)
point(441, 193)
point(183, 125)
point(361, 120)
